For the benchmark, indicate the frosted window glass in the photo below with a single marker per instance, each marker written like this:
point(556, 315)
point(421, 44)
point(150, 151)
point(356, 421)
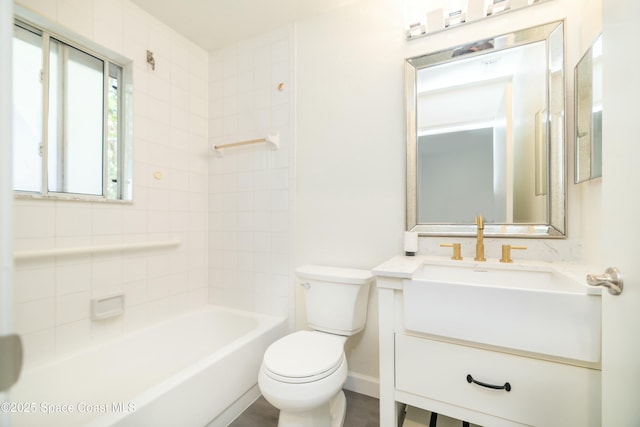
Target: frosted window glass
point(78, 168)
point(27, 110)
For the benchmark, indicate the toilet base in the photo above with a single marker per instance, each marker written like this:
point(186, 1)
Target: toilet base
point(331, 414)
point(338, 409)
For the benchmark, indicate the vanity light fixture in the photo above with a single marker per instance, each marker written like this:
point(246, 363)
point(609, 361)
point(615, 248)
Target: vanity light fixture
point(415, 14)
point(417, 29)
point(455, 13)
point(455, 18)
point(498, 6)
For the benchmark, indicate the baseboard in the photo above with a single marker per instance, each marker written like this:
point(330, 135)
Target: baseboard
point(363, 384)
point(236, 408)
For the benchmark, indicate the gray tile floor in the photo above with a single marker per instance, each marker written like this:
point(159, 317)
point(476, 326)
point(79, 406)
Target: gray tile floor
point(362, 411)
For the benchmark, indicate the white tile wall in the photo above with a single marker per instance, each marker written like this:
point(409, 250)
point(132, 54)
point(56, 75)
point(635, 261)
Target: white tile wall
point(251, 188)
point(52, 296)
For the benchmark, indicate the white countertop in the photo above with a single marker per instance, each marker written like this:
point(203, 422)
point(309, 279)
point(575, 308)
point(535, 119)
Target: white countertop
point(403, 267)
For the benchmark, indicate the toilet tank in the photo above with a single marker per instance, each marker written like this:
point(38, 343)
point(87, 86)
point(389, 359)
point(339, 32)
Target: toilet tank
point(336, 298)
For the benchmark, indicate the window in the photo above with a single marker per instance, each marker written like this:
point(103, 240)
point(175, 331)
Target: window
point(68, 120)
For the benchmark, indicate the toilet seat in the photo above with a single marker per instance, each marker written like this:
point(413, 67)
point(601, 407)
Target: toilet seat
point(303, 357)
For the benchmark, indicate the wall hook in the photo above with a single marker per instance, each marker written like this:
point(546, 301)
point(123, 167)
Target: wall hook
point(151, 60)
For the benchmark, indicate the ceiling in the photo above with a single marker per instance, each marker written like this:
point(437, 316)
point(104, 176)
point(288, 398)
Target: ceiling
point(213, 24)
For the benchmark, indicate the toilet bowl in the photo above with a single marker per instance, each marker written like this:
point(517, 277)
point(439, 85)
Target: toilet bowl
point(302, 374)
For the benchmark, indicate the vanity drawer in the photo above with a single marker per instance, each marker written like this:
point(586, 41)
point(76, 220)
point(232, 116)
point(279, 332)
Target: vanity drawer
point(542, 393)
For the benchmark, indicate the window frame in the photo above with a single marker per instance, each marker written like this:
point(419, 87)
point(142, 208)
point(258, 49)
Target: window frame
point(124, 193)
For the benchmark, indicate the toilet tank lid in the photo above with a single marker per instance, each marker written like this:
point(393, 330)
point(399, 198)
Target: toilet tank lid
point(334, 274)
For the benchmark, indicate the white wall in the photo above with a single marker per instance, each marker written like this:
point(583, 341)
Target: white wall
point(251, 188)
point(350, 148)
point(350, 141)
point(52, 296)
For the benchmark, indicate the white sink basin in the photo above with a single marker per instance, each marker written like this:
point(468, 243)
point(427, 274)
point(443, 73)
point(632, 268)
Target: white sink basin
point(536, 309)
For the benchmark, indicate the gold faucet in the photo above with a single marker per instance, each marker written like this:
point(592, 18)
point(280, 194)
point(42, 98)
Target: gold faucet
point(480, 242)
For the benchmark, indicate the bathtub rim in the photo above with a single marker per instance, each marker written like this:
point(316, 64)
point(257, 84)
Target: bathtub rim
point(93, 347)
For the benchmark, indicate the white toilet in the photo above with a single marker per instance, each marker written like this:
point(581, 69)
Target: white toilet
point(302, 374)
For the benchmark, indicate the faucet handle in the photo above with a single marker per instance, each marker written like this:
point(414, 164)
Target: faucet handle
point(456, 250)
point(506, 252)
point(480, 222)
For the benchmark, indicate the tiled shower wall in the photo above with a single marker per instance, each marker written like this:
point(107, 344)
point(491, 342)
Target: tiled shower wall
point(251, 95)
point(52, 295)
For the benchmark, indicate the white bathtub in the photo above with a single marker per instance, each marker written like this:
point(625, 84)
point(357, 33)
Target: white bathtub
point(198, 369)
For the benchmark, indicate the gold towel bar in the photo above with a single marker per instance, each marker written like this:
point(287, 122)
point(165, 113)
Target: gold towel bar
point(237, 144)
point(273, 140)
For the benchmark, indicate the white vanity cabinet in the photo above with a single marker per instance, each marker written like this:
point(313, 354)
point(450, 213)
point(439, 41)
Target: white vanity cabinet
point(541, 393)
point(469, 381)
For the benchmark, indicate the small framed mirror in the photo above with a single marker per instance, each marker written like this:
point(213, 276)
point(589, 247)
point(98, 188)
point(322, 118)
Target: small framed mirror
point(485, 135)
point(588, 106)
